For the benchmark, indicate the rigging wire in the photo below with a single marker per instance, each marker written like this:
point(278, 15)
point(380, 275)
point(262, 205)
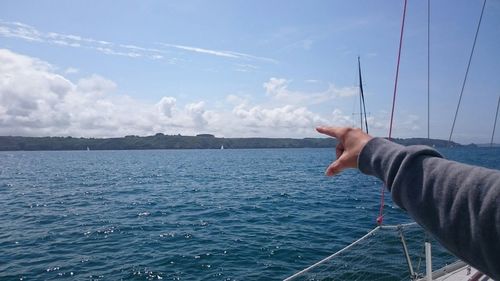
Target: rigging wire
point(380, 217)
point(397, 68)
point(466, 72)
point(428, 69)
point(495, 124)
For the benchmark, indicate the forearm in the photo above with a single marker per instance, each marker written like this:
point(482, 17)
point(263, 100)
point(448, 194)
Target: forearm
point(459, 204)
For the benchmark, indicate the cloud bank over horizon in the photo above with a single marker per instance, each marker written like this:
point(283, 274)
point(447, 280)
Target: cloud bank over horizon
point(36, 100)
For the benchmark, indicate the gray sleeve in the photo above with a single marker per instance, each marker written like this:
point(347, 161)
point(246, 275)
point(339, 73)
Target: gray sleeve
point(459, 204)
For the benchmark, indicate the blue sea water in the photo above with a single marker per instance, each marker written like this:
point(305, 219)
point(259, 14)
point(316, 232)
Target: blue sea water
point(259, 214)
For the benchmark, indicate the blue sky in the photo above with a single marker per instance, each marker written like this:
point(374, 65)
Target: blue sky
point(242, 68)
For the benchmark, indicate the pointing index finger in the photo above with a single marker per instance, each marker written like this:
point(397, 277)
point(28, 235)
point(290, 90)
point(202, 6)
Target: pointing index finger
point(335, 132)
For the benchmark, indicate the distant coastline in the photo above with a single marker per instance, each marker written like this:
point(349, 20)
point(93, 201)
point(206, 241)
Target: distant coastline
point(161, 141)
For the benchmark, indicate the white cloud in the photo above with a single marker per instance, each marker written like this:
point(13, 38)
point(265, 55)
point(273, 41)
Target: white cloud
point(240, 67)
point(278, 88)
point(19, 30)
point(375, 123)
point(201, 50)
point(219, 53)
point(138, 48)
point(30, 93)
point(30, 33)
point(197, 113)
point(307, 44)
point(411, 122)
point(341, 119)
point(71, 70)
point(110, 51)
point(343, 92)
point(95, 85)
point(236, 100)
point(285, 117)
point(166, 106)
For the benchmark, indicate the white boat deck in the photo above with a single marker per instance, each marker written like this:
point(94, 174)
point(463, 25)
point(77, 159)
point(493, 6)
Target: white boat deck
point(458, 271)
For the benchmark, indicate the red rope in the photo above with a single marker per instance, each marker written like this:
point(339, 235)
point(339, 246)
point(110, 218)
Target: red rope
point(380, 217)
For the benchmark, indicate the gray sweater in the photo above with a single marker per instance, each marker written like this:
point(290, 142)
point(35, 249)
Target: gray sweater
point(459, 204)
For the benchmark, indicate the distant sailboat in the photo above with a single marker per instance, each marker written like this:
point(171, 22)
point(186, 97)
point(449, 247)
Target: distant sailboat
point(88, 148)
point(222, 147)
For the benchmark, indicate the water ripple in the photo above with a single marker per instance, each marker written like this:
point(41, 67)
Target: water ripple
point(179, 215)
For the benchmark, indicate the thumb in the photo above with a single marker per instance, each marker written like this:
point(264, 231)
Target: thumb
point(337, 166)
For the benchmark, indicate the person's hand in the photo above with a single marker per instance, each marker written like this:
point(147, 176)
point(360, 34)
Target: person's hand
point(350, 143)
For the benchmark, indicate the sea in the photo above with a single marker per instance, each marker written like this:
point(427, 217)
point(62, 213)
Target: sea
point(246, 214)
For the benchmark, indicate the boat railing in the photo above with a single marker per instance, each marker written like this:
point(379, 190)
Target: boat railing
point(388, 252)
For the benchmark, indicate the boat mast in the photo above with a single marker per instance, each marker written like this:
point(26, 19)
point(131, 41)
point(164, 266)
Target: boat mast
point(495, 124)
point(360, 112)
point(362, 98)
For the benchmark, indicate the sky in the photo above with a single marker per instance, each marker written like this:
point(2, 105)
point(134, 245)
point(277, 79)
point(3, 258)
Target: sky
point(236, 68)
